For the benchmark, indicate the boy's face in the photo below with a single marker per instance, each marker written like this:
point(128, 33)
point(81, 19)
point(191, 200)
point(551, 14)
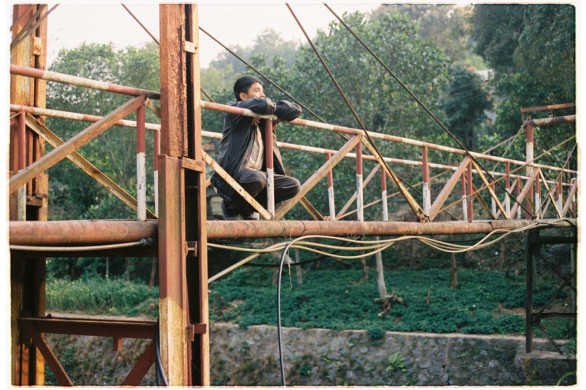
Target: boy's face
point(255, 91)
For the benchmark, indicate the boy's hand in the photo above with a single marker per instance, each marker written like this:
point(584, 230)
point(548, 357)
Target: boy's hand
point(255, 121)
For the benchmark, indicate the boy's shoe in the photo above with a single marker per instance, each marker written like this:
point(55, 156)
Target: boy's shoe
point(227, 214)
point(252, 217)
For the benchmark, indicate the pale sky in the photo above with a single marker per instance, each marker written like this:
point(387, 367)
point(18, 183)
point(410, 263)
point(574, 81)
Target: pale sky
point(232, 23)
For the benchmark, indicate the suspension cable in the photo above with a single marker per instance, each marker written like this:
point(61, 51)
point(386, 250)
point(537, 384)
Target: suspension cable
point(262, 75)
point(141, 25)
point(420, 103)
point(414, 206)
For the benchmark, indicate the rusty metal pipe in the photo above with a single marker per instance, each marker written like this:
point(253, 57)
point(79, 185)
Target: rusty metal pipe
point(287, 229)
point(81, 81)
point(80, 232)
point(550, 107)
point(76, 116)
point(110, 231)
point(554, 121)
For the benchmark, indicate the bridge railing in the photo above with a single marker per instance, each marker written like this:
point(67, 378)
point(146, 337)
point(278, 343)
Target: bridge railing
point(463, 172)
point(527, 186)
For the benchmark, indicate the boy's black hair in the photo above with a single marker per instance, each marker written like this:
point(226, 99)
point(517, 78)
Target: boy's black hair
point(243, 85)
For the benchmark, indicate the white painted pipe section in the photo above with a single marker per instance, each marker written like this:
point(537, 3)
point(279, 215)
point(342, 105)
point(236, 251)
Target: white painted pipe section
point(464, 207)
point(21, 202)
point(508, 202)
point(537, 204)
point(141, 186)
point(359, 198)
point(332, 203)
point(156, 182)
point(271, 191)
point(385, 206)
point(426, 199)
point(493, 206)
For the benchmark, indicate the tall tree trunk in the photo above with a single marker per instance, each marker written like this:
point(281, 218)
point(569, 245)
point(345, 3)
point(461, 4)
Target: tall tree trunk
point(411, 254)
point(380, 275)
point(153, 272)
point(501, 256)
point(364, 269)
point(299, 269)
point(454, 272)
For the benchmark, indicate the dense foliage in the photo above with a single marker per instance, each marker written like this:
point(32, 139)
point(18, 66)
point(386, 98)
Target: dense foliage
point(532, 48)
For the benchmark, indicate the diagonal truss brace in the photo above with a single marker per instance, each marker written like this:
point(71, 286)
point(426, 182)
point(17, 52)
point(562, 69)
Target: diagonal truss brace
point(550, 195)
point(490, 190)
point(317, 176)
point(415, 207)
point(525, 190)
point(84, 164)
point(443, 195)
point(569, 199)
point(71, 145)
point(234, 184)
point(353, 197)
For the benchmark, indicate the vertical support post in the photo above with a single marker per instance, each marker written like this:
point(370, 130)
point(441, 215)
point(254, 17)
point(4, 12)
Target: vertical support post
point(173, 306)
point(140, 164)
point(532, 239)
point(464, 199)
point(469, 193)
point(196, 215)
point(560, 200)
point(359, 192)
point(508, 188)
point(529, 169)
point(492, 201)
point(518, 192)
point(22, 146)
point(537, 197)
point(27, 275)
point(383, 184)
point(270, 168)
point(426, 189)
point(331, 199)
point(157, 151)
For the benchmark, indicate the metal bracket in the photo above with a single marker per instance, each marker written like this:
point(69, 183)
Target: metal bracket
point(194, 165)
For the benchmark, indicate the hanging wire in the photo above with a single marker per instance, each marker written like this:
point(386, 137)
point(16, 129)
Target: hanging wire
point(449, 247)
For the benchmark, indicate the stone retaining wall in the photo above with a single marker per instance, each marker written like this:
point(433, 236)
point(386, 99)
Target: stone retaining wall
point(327, 357)
point(249, 357)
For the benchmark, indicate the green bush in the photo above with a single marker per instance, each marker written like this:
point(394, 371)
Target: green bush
point(96, 295)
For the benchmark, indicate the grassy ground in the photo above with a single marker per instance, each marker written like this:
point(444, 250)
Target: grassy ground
point(483, 303)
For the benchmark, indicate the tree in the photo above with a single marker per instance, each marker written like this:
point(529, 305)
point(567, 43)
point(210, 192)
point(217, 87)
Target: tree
point(72, 193)
point(532, 49)
point(447, 26)
point(464, 104)
point(380, 101)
